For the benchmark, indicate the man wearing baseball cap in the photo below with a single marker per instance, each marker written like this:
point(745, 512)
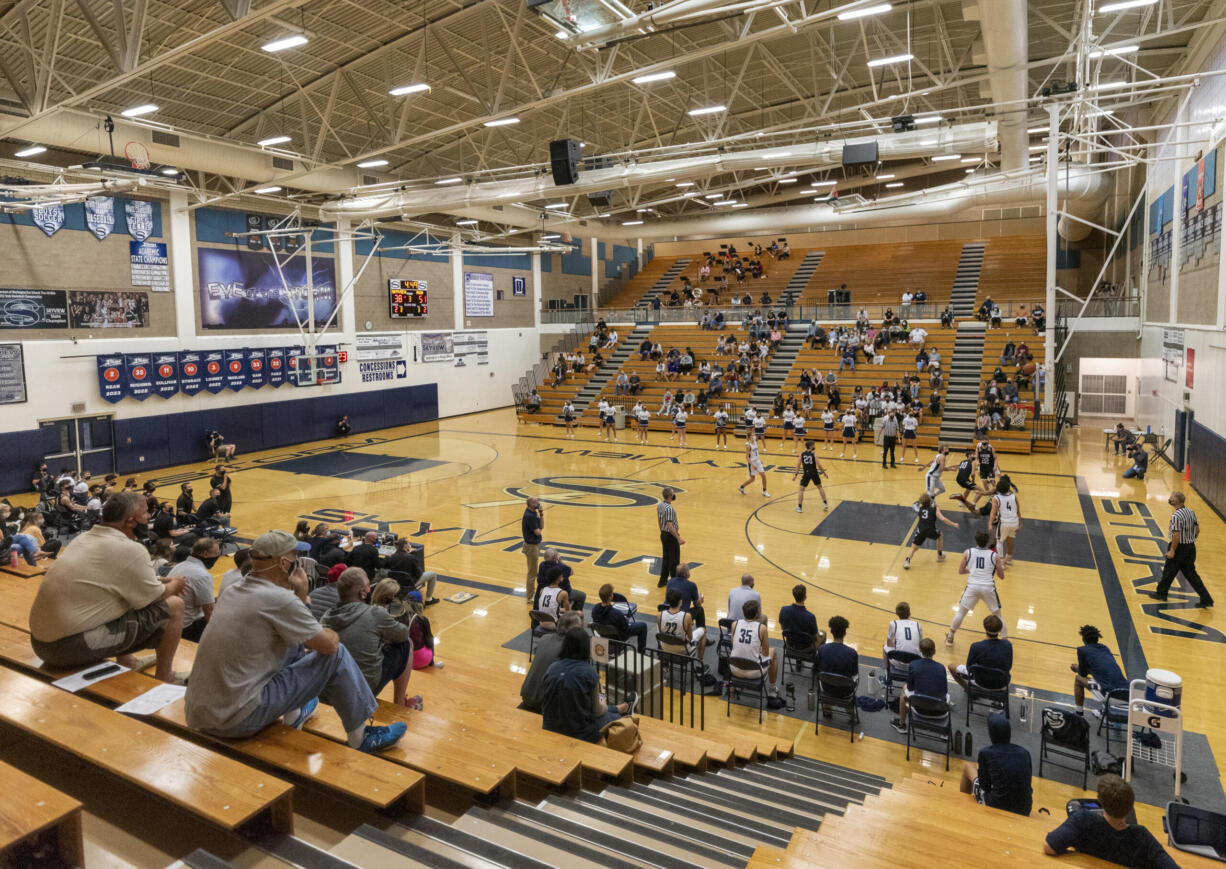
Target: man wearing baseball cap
point(252, 669)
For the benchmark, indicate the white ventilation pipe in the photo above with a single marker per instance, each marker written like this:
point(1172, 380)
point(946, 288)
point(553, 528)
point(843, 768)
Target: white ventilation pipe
point(1005, 41)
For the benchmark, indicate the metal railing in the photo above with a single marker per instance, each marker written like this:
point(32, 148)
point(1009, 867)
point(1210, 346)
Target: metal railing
point(1097, 307)
point(667, 684)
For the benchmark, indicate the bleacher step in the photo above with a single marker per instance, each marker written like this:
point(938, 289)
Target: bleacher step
point(704, 794)
point(711, 835)
point(544, 843)
point(741, 823)
point(802, 762)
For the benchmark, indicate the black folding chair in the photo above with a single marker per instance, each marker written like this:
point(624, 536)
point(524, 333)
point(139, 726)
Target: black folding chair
point(1115, 714)
point(542, 623)
point(1078, 750)
point(897, 672)
point(799, 651)
point(987, 685)
point(741, 683)
point(930, 717)
point(836, 692)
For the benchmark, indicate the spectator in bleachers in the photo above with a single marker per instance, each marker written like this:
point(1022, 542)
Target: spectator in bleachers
point(615, 611)
point(947, 317)
point(102, 599)
point(1022, 316)
point(993, 651)
point(1109, 836)
point(919, 297)
point(242, 563)
point(166, 525)
point(545, 652)
point(906, 302)
point(985, 309)
point(326, 595)
point(1001, 777)
point(917, 337)
point(622, 386)
point(402, 561)
point(635, 384)
point(571, 703)
point(927, 677)
point(197, 593)
point(533, 404)
point(378, 643)
point(1037, 318)
point(265, 658)
point(210, 511)
point(1009, 391)
point(28, 542)
point(1006, 352)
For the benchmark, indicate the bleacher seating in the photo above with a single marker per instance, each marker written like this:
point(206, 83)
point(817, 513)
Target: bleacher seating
point(877, 274)
point(37, 819)
point(1014, 268)
point(777, 273)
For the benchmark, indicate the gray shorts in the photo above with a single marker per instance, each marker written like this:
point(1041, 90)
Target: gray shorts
point(132, 631)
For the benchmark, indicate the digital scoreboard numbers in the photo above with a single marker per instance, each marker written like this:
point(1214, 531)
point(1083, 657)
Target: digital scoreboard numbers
point(406, 298)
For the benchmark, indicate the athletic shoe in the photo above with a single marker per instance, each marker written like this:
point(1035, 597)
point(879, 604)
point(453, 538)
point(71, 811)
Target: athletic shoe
point(940, 556)
point(382, 738)
point(906, 564)
point(765, 494)
point(308, 709)
point(898, 725)
point(1008, 559)
point(741, 489)
point(826, 506)
point(432, 601)
point(949, 638)
point(632, 703)
point(800, 509)
point(775, 702)
point(917, 460)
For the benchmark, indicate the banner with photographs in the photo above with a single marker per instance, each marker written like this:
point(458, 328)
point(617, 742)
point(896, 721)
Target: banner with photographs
point(436, 347)
point(90, 310)
point(243, 289)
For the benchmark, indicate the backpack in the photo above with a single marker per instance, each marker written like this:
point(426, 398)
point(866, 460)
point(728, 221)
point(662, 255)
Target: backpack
point(1066, 729)
point(1101, 763)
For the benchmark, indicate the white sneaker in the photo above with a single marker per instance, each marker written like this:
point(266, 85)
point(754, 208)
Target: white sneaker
point(825, 505)
point(741, 489)
point(765, 494)
point(940, 556)
point(917, 460)
point(800, 509)
point(949, 638)
point(906, 564)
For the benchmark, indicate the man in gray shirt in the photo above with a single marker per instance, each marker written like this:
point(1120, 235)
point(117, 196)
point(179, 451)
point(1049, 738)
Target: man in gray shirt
point(739, 595)
point(545, 653)
point(889, 437)
point(198, 586)
point(251, 668)
point(378, 642)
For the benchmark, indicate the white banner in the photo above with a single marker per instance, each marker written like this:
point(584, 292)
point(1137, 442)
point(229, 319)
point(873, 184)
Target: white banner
point(472, 346)
point(371, 346)
point(478, 294)
point(436, 347)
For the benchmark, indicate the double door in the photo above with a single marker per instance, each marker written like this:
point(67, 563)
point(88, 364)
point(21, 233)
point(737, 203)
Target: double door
point(83, 443)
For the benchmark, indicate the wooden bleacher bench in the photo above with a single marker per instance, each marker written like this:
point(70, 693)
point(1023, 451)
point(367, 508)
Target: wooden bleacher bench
point(217, 789)
point(32, 811)
point(24, 570)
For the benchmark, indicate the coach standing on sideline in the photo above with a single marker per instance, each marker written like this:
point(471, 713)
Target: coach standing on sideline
point(889, 437)
point(1181, 552)
point(532, 526)
point(670, 537)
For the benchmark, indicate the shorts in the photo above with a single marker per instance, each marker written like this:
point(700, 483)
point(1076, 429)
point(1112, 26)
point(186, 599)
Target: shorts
point(568, 419)
point(908, 434)
point(909, 693)
point(680, 426)
point(132, 631)
point(965, 483)
point(395, 658)
point(644, 423)
point(799, 432)
point(849, 432)
point(756, 467)
point(935, 486)
point(828, 426)
point(720, 429)
point(973, 595)
point(922, 534)
point(787, 426)
point(1005, 532)
point(760, 432)
point(815, 479)
point(764, 668)
point(988, 471)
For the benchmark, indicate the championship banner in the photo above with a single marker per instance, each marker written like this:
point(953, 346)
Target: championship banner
point(256, 376)
point(106, 310)
point(298, 366)
point(214, 371)
point(110, 377)
point(236, 369)
point(139, 375)
point(276, 242)
point(242, 289)
point(255, 223)
point(191, 372)
point(274, 360)
point(100, 215)
point(327, 370)
point(165, 374)
point(33, 309)
point(139, 214)
point(48, 218)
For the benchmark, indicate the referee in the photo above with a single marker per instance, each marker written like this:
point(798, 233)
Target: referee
point(670, 537)
point(1181, 552)
point(889, 437)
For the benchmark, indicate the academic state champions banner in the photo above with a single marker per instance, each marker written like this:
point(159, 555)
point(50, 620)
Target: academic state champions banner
point(244, 289)
point(140, 375)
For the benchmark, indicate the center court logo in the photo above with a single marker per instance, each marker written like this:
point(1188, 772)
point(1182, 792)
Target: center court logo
point(585, 491)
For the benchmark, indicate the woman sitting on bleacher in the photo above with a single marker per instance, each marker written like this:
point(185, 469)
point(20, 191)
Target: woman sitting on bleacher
point(571, 703)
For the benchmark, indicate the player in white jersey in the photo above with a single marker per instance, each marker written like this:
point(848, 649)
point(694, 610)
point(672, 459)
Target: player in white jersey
point(642, 416)
point(676, 622)
point(568, 417)
point(721, 428)
point(982, 567)
point(828, 426)
point(750, 642)
point(605, 410)
point(798, 428)
point(932, 477)
point(553, 599)
point(753, 462)
point(679, 420)
point(789, 419)
point(910, 430)
point(1006, 518)
point(903, 634)
point(849, 434)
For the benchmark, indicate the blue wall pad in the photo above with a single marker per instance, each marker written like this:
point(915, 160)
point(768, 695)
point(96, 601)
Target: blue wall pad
point(354, 465)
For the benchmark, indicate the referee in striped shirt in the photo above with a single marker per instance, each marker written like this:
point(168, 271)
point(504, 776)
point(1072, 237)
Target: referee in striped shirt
point(670, 537)
point(1181, 552)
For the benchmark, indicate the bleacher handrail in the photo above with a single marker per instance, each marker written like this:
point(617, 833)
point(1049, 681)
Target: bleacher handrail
point(685, 682)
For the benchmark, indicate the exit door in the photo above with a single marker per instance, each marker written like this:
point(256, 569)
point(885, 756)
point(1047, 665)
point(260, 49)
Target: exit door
point(80, 444)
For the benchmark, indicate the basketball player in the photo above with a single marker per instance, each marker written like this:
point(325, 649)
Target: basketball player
point(568, 417)
point(1006, 518)
point(789, 431)
point(966, 479)
point(553, 599)
point(982, 568)
point(677, 623)
point(903, 634)
point(721, 428)
point(926, 529)
point(643, 416)
point(753, 462)
point(910, 427)
point(828, 426)
point(813, 470)
point(759, 429)
point(798, 429)
point(750, 642)
point(849, 434)
point(606, 420)
point(932, 479)
point(679, 419)
point(985, 455)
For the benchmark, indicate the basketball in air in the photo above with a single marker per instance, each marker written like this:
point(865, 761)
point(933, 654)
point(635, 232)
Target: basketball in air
point(1028, 368)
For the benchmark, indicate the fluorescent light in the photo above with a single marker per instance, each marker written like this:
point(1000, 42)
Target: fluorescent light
point(886, 61)
point(409, 89)
point(285, 42)
point(170, 170)
point(371, 164)
point(449, 181)
point(556, 205)
point(1124, 4)
point(821, 183)
point(273, 189)
point(759, 168)
point(549, 237)
point(725, 202)
point(274, 140)
point(562, 34)
point(691, 193)
point(1101, 114)
point(787, 180)
point(1123, 49)
point(741, 205)
point(969, 171)
point(137, 111)
point(894, 184)
point(632, 223)
point(970, 159)
point(1110, 85)
point(942, 157)
point(886, 177)
point(502, 122)
point(1036, 130)
point(1038, 148)
point(929, 119)
point(714, 196)
point(685, 183)
point(865, 11)
point(654, 76)
point(466, 223)
point(30, 151)
point(707, 110)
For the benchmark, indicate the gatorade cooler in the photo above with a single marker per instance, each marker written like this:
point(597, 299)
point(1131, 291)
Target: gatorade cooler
point(619, 418)
point(1165, 687)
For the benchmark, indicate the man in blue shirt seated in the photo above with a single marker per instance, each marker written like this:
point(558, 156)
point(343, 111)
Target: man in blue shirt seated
point(992, 652)
point(795, 618)
point(836, 656)
point(615, 613)
point(1095, 669)
point(927, 678)
point(1109, 836)
point(691, 598)
point(1001, 778)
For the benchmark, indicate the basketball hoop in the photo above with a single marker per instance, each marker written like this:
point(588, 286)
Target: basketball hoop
point(137, 154)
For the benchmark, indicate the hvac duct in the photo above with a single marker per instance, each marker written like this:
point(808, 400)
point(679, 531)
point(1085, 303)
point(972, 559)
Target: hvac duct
point(1003, 25)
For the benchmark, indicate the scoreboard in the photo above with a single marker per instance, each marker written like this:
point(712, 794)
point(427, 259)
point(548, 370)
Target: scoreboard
point(406, 298)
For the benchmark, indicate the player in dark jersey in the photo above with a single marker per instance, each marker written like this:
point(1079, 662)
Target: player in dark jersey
point(985, 455)
point(808, 464)
point(966, 480)
point(926, 528)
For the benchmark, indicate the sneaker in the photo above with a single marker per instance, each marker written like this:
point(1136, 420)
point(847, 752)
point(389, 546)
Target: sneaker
point(917, 460)
point(432, 601)
point(632, 703)
point(382, 738)
point(765, 494)
point(898, 725)
point(741, 489)
point(775, 702)
point(906, 564)
point(940, 556)
point(949, 638)
point(308, 709)
point(800, 509)
point(825, 505)
point(1008, 559)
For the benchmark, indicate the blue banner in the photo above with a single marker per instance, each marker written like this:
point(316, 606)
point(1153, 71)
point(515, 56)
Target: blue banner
point(298, 366)
point(236, 369)
point(165, 374)
point(274, 360)
point(327, 369)
point(243, 289)
point(191, 372)
point(214, 371)
point(110, 377)
point(139, 374)
point(256, 376)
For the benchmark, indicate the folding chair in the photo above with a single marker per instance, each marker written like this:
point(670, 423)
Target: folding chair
point(987, 685)
point(677, 649)
point(542, 623)
point(836, 692)
point(897, 672)
point(738, 684)
point(1115, 714)
point(799, 650)
point(1079, 750)
point(929, 716)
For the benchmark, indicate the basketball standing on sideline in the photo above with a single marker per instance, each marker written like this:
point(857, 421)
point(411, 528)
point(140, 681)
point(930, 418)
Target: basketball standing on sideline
point(1181, 552)
point(753, 462)
point(982, 567)
point(813, 470)
point(670, 537)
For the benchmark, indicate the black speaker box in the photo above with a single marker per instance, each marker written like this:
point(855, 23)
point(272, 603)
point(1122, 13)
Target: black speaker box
point(564, 160)
point(601, 199)
point(862, 154)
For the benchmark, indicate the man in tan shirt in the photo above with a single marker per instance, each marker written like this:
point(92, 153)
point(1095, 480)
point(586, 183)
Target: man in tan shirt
point(102, 599)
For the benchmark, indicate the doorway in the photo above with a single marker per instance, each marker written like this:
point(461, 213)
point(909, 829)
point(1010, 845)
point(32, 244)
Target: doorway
point(84, 443)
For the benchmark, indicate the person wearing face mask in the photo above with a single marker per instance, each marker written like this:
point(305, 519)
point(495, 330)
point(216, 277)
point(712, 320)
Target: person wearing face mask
point(102, 599)
point(198, 586)
point(264, 658)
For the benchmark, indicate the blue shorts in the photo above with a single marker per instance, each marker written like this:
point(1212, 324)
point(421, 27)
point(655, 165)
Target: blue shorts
point(799, 432)
point(680, 426)
point(395, 658)
point(908, 435)
point(849, 432)
point(787, 426)
point(828, 426)
point(643, 423)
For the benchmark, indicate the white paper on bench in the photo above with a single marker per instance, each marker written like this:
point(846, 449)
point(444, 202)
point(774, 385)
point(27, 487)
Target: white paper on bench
point(153, 700)
point(74, 683)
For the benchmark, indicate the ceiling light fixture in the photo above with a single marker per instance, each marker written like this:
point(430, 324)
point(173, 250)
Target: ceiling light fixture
point(1036, 130)
point(549, 237)
point(416, 88)
point(787, 180)
point(272, 189)
point(501, 122)
point(371, 164)
point(865, 11)
point(30, 151)
point(691, 193)
point(562, 34)
point(137, 111)
point(170, 171)
point(714, 196)
point(942, 157)
point(632, 223)
point(740, 205)
point(556, 205)
point(284, 43)
point(821, 183)
point(886, 177)
point(443, 181)
point(468, 222)
point(274, 140)
point(969, 171)
point(706, 110)
point(654, 76)
point(970, 159)
point(929, 119)
point(894, 184)
point(1123, 49)
point(1124, 4)
point(685, 183)
point(886, 61)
